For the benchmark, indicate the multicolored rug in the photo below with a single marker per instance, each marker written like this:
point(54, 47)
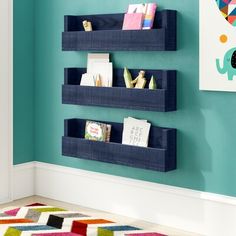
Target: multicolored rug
point(41, 220)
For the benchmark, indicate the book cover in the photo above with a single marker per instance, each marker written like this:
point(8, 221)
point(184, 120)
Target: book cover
point(98, 64)
point(135, 132)
point(133, 21)
point(105, 71)
point(137, 8)
point(95, 131)
point(96, 57)
point(134, 17)
point(87, 80)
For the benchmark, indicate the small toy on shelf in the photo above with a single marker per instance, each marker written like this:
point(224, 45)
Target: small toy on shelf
point(98, 82)
point(87, 25)
point(140, 81)
point(128, 78)
point(152, 83)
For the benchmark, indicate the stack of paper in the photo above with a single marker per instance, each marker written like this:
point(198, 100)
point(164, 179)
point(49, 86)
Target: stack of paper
point(136, 132)
point(98, 64)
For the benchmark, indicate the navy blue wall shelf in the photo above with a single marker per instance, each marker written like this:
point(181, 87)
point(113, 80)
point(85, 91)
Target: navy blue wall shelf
point(160, 155)
point(107, 34)
point(162, 99)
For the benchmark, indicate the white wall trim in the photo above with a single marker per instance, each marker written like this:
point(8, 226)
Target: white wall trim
point(23, 180)
point(6, 99)
point(190, 210)
point(138, 183)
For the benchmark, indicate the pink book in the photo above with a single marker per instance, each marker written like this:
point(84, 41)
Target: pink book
point(133, 21)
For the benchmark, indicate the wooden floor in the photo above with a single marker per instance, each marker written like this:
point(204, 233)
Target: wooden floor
point(96, 213)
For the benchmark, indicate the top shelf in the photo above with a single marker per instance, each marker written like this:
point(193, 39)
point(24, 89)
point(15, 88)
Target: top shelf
point(107, 34)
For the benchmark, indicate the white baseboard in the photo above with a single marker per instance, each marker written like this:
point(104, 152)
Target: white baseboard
point(194, 211)
point(23, 180)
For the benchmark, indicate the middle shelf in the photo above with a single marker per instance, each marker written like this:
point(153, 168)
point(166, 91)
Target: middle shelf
point(162, 99)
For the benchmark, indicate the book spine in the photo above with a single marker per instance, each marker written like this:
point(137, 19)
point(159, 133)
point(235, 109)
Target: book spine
point(149, 16)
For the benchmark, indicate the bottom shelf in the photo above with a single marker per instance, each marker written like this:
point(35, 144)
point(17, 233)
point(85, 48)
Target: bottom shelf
point(160, 155)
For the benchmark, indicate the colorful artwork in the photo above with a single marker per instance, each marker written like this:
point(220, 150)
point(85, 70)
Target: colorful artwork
point(229, 64)
point(228, 10)
point(218, 45)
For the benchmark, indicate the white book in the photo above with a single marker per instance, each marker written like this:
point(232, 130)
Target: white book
point(98, 64)
point(131, 118)
point(105, 70)
point(87, 80)
point(137, 8)
point(136, 132)
point(96, 57)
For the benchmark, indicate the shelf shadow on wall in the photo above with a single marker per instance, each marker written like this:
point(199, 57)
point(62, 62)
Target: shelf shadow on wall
point(194, 154)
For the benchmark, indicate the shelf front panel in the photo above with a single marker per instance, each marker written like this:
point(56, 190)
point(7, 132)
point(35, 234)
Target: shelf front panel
point(162, 99)
point(118, 40)
point(145, 158)
point(107, 34)
point(139, 99)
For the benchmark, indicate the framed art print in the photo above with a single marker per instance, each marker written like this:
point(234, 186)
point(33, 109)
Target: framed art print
point(218, 45)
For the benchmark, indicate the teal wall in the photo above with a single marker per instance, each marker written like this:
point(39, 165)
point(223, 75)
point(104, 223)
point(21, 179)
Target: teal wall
point(206, 125)
point(23, 81)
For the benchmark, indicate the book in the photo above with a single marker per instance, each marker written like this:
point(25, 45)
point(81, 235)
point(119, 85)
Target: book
point(149, 16)
point(99, 64)
point(140, 16)
point(97, 131)
point(96, 57)
point(105, 71)
point(133, 19)
point(108, 133)
point(137, 8)
point(87, 80)
point(136, 132)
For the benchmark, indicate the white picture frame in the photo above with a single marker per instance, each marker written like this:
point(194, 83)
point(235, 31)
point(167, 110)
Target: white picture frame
point(217, 46)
